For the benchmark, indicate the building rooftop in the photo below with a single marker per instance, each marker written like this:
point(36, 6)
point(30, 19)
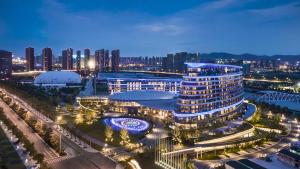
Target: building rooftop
point(251, 164)
point(237, 165)
point(134, 75)
point(196, 65)
point(142, 96)
point(58, 77)
point(290, 154)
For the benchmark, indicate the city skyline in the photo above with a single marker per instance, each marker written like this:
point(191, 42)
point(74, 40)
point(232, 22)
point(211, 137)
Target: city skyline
point(160, 84)
point(145, 29)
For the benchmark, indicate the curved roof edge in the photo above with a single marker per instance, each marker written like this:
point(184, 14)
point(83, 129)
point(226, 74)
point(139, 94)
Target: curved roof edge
point(195, 65)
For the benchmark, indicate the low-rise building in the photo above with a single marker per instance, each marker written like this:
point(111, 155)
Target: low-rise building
point(243, 164)
point(289, 157)
point(58, 79)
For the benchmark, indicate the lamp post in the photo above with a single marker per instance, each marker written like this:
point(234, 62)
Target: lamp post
point(58, 119)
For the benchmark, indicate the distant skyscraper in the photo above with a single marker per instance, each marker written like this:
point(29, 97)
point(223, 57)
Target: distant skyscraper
point(47, 59)
point(78, 60)
point(99, 60)
point(87, 55)
point(64, 59)
point(175, 63)
point(115, 60)
point(106, 60)
point(5, 65)
point(70, 58)
point(67, 59)
point(169, 67)
point(29, 54)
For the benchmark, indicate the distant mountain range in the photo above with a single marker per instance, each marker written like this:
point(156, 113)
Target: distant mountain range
point(247, 56)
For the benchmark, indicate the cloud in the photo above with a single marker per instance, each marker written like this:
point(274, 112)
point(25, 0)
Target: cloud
point(219, 4)
point(290, 9)
point(170, 29)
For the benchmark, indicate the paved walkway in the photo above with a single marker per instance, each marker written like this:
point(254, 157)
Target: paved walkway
point(259, 151)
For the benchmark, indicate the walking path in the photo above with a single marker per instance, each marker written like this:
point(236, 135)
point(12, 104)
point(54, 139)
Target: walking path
point(39, 143)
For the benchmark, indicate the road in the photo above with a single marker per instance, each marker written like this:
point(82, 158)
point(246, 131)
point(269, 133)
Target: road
point(82, 159)
point(284, 142)
point(78, 159)
point(39, 144)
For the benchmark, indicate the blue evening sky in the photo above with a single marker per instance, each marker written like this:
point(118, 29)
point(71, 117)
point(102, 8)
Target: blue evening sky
point(152, 27)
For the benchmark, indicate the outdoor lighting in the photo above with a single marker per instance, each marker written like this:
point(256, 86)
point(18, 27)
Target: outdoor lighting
point(59, 118)
point(131, 124)
point(91, 64)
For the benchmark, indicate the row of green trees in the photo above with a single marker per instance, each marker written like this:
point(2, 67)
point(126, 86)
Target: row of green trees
point(23, 139)
point(38, 98)
point(39, 127)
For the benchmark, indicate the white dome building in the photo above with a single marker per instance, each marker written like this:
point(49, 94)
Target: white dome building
point(58, 79)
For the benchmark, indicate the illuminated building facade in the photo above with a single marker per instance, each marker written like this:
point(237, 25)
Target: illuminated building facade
point(78, 60)
point(87, 54)
point(67, 59)
point(5, 65)
point(209, 93)
point(116, 85)
point(47, 59)
point(115, 60)
point(29, 55)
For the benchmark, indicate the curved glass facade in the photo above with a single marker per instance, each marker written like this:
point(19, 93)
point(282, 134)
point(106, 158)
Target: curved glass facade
point(209, 91)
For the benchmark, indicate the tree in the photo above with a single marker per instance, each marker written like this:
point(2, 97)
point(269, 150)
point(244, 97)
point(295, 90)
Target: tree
point(90, 116)
point(48, 135)
point(79, 118)
point(277, 118)
point(197, 133)
point(39, 158)
point(15, 107)
point(124, 136)
point(108, 133)
point(177, 134)
point(69, 107)
point(257, 115)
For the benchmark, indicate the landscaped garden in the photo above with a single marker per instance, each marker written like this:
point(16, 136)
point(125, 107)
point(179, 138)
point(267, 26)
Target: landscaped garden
point(100, 130)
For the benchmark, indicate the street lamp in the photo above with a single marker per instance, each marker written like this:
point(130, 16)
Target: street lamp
point(58, 119)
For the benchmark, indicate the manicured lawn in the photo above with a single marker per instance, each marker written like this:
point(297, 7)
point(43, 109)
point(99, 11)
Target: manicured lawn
point(97, 131)
point(8, 156)
point(269, 123)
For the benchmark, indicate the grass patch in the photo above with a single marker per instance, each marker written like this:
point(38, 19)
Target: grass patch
point(97, 129)
point(8, 156)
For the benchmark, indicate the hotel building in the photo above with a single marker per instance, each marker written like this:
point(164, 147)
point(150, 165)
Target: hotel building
point(117, 85)
point(209, 93)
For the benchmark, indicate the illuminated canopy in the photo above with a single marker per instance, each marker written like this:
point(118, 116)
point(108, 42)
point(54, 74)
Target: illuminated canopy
point(57, 78)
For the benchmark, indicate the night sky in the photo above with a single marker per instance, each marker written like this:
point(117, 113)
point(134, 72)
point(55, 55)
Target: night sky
point(152, 27)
